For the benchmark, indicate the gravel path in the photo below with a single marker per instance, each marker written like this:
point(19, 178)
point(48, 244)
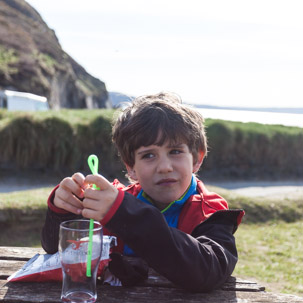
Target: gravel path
point(11, 183)
point(246, 188)
point(264, 188)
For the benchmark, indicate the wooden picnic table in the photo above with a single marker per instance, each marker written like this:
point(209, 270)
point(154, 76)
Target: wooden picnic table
point(156, 289)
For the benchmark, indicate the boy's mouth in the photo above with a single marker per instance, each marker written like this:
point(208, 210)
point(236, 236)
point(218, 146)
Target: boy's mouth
point(168, 181)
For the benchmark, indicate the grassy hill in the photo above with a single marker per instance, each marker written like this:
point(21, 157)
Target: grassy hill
point(32, 60)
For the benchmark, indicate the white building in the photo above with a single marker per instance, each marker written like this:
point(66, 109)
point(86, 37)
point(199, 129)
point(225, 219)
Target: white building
point(13, 101)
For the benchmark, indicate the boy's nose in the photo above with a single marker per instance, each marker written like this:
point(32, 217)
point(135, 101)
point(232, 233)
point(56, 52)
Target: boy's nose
point(164, 165)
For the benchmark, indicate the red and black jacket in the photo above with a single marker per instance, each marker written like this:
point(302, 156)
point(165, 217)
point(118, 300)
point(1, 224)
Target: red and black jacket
point(199, 255)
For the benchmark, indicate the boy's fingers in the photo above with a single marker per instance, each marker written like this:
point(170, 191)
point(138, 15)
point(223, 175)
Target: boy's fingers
point(69, 185)
point(92, 209)
point(91, 214)
point(91, 193)
point(68, 207)
point(68, 198)
point(107, 195)
point(91, 203)
point(79, 179)
point(98, 180)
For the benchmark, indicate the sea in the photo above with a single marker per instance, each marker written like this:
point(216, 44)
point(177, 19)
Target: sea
point(258, 116)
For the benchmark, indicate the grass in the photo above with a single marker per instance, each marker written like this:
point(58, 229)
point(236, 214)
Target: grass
point(21, 234)
point(267, 129)
point(72, 116)
point(270, 251)
point(261, 210)
point(8, 57)
point(25, 200)
point(22, 216)
point(271, 254)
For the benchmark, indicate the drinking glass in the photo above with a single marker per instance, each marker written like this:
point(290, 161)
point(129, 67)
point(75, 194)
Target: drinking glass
point(77, 285)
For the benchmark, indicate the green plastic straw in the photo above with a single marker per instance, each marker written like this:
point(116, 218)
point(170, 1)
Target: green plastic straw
point(93, 164)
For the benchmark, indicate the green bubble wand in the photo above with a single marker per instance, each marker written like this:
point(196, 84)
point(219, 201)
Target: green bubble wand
point(93, 164)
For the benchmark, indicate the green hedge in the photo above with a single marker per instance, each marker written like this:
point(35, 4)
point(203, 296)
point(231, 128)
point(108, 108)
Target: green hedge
point(60, 142)
point(57, 142)
point(253, 150)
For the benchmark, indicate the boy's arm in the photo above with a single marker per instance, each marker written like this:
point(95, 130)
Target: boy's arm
point(198, 262)
point(56, 215)
point(50, 230)
point(64, 203)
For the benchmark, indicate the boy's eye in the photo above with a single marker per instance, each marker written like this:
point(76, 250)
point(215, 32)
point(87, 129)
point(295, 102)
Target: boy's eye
point(147, 156)
point(176, 151)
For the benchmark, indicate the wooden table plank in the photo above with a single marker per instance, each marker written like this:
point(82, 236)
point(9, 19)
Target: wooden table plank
point(19, 253)
point(13, 258)
point(156, 289)
point(8, 267)
point(50, 292)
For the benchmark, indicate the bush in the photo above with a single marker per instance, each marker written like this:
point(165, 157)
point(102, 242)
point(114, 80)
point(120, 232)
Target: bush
point(61, 142)
point(55, 144)
point(251, 150)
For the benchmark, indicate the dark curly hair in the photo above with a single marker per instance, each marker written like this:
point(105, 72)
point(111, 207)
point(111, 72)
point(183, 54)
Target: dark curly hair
point(155, 119)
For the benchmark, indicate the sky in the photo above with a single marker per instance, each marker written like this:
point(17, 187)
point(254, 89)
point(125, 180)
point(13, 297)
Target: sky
point(218, 52)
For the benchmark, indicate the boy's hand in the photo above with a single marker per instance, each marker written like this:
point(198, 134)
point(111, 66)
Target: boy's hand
point(96, 202)
point(70, 190)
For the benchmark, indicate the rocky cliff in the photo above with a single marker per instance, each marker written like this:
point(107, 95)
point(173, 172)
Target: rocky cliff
point(32, 60)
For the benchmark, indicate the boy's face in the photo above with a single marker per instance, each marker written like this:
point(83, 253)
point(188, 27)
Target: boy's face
point(164, 172)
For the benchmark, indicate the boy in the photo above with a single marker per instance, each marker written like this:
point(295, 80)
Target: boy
point(166, 216)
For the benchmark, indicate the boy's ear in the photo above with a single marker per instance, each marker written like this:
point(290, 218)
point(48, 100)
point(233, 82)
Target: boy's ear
point(131, 172)
point(198, 163)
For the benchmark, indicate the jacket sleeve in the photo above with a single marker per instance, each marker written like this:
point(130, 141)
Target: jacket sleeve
point(201, 261)
point(50, 230)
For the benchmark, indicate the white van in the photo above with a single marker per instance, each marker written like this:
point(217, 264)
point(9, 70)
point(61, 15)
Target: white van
point(12, 101)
